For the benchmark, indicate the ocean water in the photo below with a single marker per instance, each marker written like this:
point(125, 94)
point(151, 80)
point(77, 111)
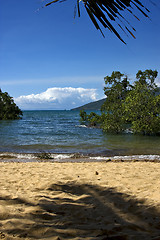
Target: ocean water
point(60, 132)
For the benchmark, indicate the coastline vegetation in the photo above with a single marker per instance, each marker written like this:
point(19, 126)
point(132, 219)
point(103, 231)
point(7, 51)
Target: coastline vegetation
point(134, 107)
point(8, 109)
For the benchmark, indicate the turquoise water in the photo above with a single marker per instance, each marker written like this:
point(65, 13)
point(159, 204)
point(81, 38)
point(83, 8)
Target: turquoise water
point(61, 132)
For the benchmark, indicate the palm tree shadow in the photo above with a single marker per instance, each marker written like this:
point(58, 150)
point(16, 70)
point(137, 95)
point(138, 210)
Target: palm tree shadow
point(83, 211)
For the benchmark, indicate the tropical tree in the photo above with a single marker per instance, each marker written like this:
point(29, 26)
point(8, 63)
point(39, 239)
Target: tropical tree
point(92, 119)
point(83, 116)
point(116, 89)
point(142, 105)
point(147, 78)
point(8, 109)
point(109, 13)
point(135, 106)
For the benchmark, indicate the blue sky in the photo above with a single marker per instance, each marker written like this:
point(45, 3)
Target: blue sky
point(47, 53)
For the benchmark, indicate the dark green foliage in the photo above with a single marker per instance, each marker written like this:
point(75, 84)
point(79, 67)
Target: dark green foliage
point(83, 116)
point(91, 119)
point(137, 105)
point(94, 119)
point(8, 109)
point(142, 105)
point(147, 78)
point(117, 86)
point(109, 14)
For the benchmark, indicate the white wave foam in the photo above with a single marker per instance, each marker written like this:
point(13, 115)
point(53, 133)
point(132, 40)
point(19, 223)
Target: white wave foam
point(58, 157)
point(61, 156)
point(17, 155)
point(81, 126)
point(25, 156)
point(132, 157)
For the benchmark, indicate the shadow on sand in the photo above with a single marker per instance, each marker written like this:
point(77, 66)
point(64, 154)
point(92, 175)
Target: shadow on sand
point(76, 211)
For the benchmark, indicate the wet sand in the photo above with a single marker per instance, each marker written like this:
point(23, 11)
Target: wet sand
point(82, 200)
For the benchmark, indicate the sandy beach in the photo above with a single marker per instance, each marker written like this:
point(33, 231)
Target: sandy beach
point(83, 200)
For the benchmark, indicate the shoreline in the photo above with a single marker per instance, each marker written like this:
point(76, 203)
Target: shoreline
point(74, 157)
point(80, 200)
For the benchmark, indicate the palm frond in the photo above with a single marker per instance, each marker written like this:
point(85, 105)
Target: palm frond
point(105, 12)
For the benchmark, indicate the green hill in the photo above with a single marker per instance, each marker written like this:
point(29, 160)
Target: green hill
point(91, 106)
point(97, 104)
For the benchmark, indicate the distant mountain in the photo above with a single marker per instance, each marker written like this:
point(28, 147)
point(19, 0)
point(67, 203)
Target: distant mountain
point(97, 104)
point(91, 106)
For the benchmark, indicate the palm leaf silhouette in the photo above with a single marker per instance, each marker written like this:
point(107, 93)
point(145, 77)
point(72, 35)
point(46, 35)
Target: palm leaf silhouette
point(105, 12)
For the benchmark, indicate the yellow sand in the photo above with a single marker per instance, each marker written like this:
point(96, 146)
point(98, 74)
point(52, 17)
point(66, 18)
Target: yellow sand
point(80, 201)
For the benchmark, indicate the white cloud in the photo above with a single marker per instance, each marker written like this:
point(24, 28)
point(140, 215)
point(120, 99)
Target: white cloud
point(58, 98)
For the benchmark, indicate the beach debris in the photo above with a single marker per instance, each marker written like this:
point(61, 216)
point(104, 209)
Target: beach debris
point(97, 173)
point(109, 160)
point(2, 235)
point(77, 155)
point(44, 155)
